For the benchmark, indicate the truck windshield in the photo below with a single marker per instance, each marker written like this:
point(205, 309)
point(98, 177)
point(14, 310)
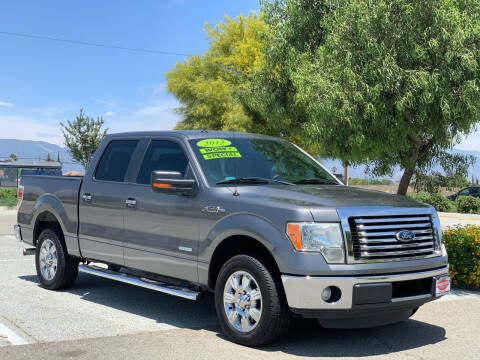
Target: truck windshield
point(250, 161)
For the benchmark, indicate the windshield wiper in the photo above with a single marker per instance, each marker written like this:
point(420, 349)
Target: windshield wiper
point(315, 181)
point(253, 180)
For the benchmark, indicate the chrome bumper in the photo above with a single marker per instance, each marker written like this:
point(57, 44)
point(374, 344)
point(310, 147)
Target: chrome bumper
point(18, 232)
point(304, 292)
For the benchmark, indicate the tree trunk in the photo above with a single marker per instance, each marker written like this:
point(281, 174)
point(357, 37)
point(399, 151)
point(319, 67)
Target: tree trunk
point(405, 181)
point(345, 173)
point(417, 150)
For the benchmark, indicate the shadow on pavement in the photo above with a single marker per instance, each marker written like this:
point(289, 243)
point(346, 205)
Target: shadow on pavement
point(162, 308)
point(306, 337)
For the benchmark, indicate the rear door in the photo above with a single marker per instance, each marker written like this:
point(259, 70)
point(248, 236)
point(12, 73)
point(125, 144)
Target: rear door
point(161, 231)
point(102, 204)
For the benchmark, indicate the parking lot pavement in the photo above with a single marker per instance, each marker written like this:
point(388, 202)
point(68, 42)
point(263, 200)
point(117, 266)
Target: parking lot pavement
point(103, 319)
point(454, 219)
point(7, 219)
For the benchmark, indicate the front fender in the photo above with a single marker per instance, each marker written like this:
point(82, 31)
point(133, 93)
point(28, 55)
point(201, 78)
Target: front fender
point(289, 261)
point(245, 224)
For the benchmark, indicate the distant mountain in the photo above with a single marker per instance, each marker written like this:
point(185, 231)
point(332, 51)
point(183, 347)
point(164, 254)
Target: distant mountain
point(359, 171)
point(35, 150)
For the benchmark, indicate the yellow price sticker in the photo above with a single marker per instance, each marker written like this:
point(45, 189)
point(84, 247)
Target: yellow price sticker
point(222, 155)
point(209, 150)
point(213, 143)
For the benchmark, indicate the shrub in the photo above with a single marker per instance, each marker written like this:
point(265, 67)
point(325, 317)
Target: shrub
point(8, 197)
point(468, 204)
point(438, 201)
point(463, 247)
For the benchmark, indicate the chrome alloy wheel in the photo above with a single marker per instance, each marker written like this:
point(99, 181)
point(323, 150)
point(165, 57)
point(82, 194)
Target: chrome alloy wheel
point(48, 259)
point(242, 301)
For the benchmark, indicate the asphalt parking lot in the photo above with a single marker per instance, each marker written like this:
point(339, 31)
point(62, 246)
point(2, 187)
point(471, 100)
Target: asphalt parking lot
point(103, 319)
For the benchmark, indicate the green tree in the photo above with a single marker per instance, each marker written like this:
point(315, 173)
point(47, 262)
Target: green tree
point(295, 32)
point(49, 158)
point(206, 85)
point(13, 157)
point(394, 83)
point(82, 137)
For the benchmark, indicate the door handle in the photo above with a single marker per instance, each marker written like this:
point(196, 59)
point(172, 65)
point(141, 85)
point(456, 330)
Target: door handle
point(87, 197)
point(131, 202)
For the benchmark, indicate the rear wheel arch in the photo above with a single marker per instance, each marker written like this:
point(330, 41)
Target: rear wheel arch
point(46, 220)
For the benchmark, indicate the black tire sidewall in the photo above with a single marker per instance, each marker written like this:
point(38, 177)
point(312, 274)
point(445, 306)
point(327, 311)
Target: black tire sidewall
point(58, 279)
point(271, 298)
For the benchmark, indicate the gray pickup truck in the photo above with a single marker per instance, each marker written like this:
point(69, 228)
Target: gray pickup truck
point(252, 219)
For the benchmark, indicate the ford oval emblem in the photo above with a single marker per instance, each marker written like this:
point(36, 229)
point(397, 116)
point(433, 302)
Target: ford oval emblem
point(405, 236)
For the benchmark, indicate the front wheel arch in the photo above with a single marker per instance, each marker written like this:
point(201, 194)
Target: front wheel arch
point(238, 245)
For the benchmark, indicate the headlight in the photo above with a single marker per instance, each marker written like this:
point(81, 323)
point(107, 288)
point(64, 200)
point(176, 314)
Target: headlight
point(325, 238)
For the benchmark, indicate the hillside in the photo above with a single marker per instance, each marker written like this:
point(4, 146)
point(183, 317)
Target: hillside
point(33, 150)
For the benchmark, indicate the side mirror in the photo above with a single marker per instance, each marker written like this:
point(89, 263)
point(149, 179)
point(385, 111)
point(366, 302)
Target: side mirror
point(171, 182)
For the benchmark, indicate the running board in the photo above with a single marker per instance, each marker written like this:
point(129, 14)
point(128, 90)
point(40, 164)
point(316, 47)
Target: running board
point(142, 282)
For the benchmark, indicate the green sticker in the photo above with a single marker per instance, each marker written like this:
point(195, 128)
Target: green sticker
point(209, 150)
point(222, 155)
point(213, 142)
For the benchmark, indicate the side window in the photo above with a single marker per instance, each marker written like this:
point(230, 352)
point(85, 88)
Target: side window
point(162, 155)
point(115, 160)
point(464, 192)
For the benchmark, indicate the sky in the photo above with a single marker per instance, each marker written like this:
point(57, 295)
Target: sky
point(43, 82)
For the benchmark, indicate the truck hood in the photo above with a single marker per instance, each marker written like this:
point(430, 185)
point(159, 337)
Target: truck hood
point(335, 196)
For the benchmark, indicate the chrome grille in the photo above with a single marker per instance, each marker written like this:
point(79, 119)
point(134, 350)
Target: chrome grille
point(373, 238)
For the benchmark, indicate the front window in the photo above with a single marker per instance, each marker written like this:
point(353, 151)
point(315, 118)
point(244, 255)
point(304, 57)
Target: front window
point(256, 160)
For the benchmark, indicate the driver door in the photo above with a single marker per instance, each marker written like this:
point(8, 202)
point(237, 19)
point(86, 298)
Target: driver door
point(162, 230)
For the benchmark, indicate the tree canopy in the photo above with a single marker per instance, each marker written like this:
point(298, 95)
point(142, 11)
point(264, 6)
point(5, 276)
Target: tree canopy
point(206, 85)
point(395, 82)
point(295, 31)
point(386, 83)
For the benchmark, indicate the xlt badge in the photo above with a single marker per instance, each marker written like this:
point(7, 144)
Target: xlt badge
point(213, 209)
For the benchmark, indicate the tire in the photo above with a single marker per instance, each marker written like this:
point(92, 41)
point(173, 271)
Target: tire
point(243, 327)
point(55, 268)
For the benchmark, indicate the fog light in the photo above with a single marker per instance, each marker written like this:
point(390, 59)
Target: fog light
point(331, 294)
point(326, 294)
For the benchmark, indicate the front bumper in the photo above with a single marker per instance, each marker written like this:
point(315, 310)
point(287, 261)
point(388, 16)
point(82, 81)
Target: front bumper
point(361, 292)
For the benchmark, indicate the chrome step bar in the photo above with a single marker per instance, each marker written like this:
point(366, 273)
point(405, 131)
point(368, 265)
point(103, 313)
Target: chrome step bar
point(142, 282)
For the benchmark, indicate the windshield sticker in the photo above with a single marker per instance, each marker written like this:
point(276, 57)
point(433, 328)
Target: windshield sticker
point(213, 143)
point(218, 149)
point(222, 155)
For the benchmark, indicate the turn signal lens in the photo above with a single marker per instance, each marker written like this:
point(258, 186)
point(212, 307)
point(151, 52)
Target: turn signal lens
point(161, 185)
point(293, 232)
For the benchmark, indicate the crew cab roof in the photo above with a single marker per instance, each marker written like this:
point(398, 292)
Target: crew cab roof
point(189, 134)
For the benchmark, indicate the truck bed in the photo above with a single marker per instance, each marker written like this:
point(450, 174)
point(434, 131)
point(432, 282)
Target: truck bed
point(60, 193)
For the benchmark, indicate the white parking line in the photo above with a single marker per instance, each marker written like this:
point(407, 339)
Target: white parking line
point(6, 260)
point(12, 337)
